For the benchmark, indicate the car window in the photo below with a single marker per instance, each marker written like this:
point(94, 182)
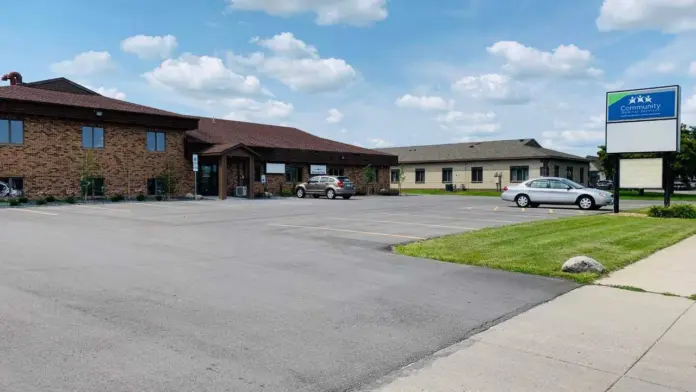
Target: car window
point(539, 184)
point(344, 179)
point(573, 184)
point(555, 184)
point(325, 179)
point(313, 180)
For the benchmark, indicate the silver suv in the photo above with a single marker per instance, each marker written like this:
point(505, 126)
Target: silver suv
point(329, 186)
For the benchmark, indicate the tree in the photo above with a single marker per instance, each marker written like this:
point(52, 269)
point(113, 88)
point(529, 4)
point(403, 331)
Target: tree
point(370, 176)
point(401, 176)
point(168, 179)
point(88, 170)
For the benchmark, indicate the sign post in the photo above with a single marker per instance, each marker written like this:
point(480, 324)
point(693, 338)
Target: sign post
point(643, 121)
point(195, 176)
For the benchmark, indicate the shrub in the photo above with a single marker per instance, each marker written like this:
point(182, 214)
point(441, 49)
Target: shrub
point(23, 200)
point(681, 211)
point(140, 197)
point(70, 199)
point(14, 202)
point(40, 202)
point(286, 193)
point(50, 199)
point(389, 192)
point(116, 198)
point(158, 197)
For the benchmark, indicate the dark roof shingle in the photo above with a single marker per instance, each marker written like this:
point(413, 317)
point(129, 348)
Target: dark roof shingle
point(30, 94)
point(227, 133)
point(477, 151)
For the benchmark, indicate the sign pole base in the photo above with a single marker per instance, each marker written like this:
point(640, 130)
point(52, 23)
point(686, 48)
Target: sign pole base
point(617, 181)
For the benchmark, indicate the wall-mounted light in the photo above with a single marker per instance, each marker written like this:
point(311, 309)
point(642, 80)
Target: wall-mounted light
point(99, 113)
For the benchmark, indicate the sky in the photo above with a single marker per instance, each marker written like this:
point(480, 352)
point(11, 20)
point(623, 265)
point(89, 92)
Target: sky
point(374, 73)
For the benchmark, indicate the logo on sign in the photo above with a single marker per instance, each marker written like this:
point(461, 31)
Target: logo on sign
point(652, 104)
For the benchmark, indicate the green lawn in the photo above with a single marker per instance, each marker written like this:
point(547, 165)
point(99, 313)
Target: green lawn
point(633, 195)
point(541, 247)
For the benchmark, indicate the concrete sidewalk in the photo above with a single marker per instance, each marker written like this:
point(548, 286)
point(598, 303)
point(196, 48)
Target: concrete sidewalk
point(592, 339)
point(671, 270)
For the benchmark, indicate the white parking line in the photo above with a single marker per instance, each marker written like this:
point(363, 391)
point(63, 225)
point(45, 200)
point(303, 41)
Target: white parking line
point(101, 208)
point(348, 231)
point(452, 217)
point(30, 210)
point(401, 223)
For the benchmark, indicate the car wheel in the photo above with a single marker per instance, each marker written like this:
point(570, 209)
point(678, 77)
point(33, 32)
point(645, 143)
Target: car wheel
point(522, 201)
point(346, 197)
point(586, 203)
point(300, 193)
point(534, 205)
point(330, 194)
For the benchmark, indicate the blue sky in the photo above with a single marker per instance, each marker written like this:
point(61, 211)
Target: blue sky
point(375, 73)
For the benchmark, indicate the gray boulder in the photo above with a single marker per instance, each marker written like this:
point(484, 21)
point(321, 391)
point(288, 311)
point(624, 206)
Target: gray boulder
point(582, 264)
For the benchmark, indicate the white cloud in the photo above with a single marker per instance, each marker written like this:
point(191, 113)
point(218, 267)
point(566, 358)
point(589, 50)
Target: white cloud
point(689, 110)
point(665, 67)
point(692, 69)
point(309, 75)
point(110, 92)
point(246, 109)
point(190, 73)
point(613, 85)
point(457, 116)
point(286, 45)
point(335, 116)
point(328, 12)
point(380, 143)
point(87, 63)
point(297, 65)
point(671, 16)
point(564, 61)
point(493, 87)
point(479, 129)
point(150, 47)
point(577, 138)
point(422, 102)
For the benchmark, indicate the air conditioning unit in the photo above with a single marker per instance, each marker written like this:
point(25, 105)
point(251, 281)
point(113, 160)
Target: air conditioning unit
point(240, 191)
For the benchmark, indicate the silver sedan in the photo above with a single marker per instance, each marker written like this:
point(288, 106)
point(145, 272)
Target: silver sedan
point(557, 191)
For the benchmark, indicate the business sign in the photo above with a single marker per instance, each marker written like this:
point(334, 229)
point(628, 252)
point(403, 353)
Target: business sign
point(317, 170)
point(643, 121)
point(263, 178)
point(275, 168)
point(660, 103)
point(195, 162)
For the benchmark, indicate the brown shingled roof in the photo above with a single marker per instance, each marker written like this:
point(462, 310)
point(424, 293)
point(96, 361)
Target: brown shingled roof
point(30, 94)
point(228, 133)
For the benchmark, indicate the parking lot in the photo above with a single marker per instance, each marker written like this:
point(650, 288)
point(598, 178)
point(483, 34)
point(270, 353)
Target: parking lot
point(242, 295)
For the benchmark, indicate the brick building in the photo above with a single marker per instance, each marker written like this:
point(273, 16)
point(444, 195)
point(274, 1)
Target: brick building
point(59, 138)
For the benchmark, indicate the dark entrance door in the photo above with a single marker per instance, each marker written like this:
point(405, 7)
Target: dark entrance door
point(208, 180)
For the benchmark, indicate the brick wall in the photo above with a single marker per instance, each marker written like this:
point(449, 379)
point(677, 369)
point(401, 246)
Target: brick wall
point(51, 157)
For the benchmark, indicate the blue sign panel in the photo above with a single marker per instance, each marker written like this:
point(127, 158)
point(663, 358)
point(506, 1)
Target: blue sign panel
point(642, 105)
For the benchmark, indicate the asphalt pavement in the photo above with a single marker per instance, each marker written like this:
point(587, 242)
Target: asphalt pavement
point(239, 295)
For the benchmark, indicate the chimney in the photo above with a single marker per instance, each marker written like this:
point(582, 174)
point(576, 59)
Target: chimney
point(15, 78)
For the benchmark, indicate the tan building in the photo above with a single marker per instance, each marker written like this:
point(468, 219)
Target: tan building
point(483, 165)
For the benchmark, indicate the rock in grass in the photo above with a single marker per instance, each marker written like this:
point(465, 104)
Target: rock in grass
point(579, 264)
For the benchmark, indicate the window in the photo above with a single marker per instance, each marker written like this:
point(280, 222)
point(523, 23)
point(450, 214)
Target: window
point(156, 141)
point(325, 180)
point(92, 186)
point(293, 174)
point(92, 137)
point(555, 184)
point(336, 171)
point(569, 172)
point(519, 173)
point(476, 174)
point(313, 180)
point(420, 176)
point(539, 184)
point(582, 175)
point(155, 187)
point(447, 174)
point(11, 186)
point(11, 132)
point(556, 171)
point(544, 171)
point(395, 176)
